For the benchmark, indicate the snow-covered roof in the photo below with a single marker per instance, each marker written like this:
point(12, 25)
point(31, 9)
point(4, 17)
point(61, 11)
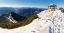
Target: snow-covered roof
point(52, 5)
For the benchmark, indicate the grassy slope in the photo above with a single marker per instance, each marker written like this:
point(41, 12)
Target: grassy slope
point(20, 23)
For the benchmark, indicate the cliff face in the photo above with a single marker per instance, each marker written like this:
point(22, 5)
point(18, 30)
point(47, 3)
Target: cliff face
point(10, 17)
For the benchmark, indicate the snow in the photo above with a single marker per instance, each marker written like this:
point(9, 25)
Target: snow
point(26, 29)
point(40, 25)
point(11, 19)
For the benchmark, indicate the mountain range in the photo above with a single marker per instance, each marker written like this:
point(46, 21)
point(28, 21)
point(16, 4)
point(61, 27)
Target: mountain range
point(12, 15)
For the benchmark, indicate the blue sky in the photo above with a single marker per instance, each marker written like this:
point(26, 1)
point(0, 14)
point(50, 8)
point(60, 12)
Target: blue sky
point(30, 3)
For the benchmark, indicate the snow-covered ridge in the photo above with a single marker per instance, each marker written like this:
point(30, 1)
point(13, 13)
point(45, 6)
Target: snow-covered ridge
point(30, 28)
point(39, 25)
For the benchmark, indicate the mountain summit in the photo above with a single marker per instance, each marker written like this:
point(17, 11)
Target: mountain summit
point(42, 24)
point(10, 17)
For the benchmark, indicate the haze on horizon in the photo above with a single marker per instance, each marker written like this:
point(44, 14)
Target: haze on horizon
point(30, 3)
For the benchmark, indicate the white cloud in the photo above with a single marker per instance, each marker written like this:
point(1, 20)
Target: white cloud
point(19, 6)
